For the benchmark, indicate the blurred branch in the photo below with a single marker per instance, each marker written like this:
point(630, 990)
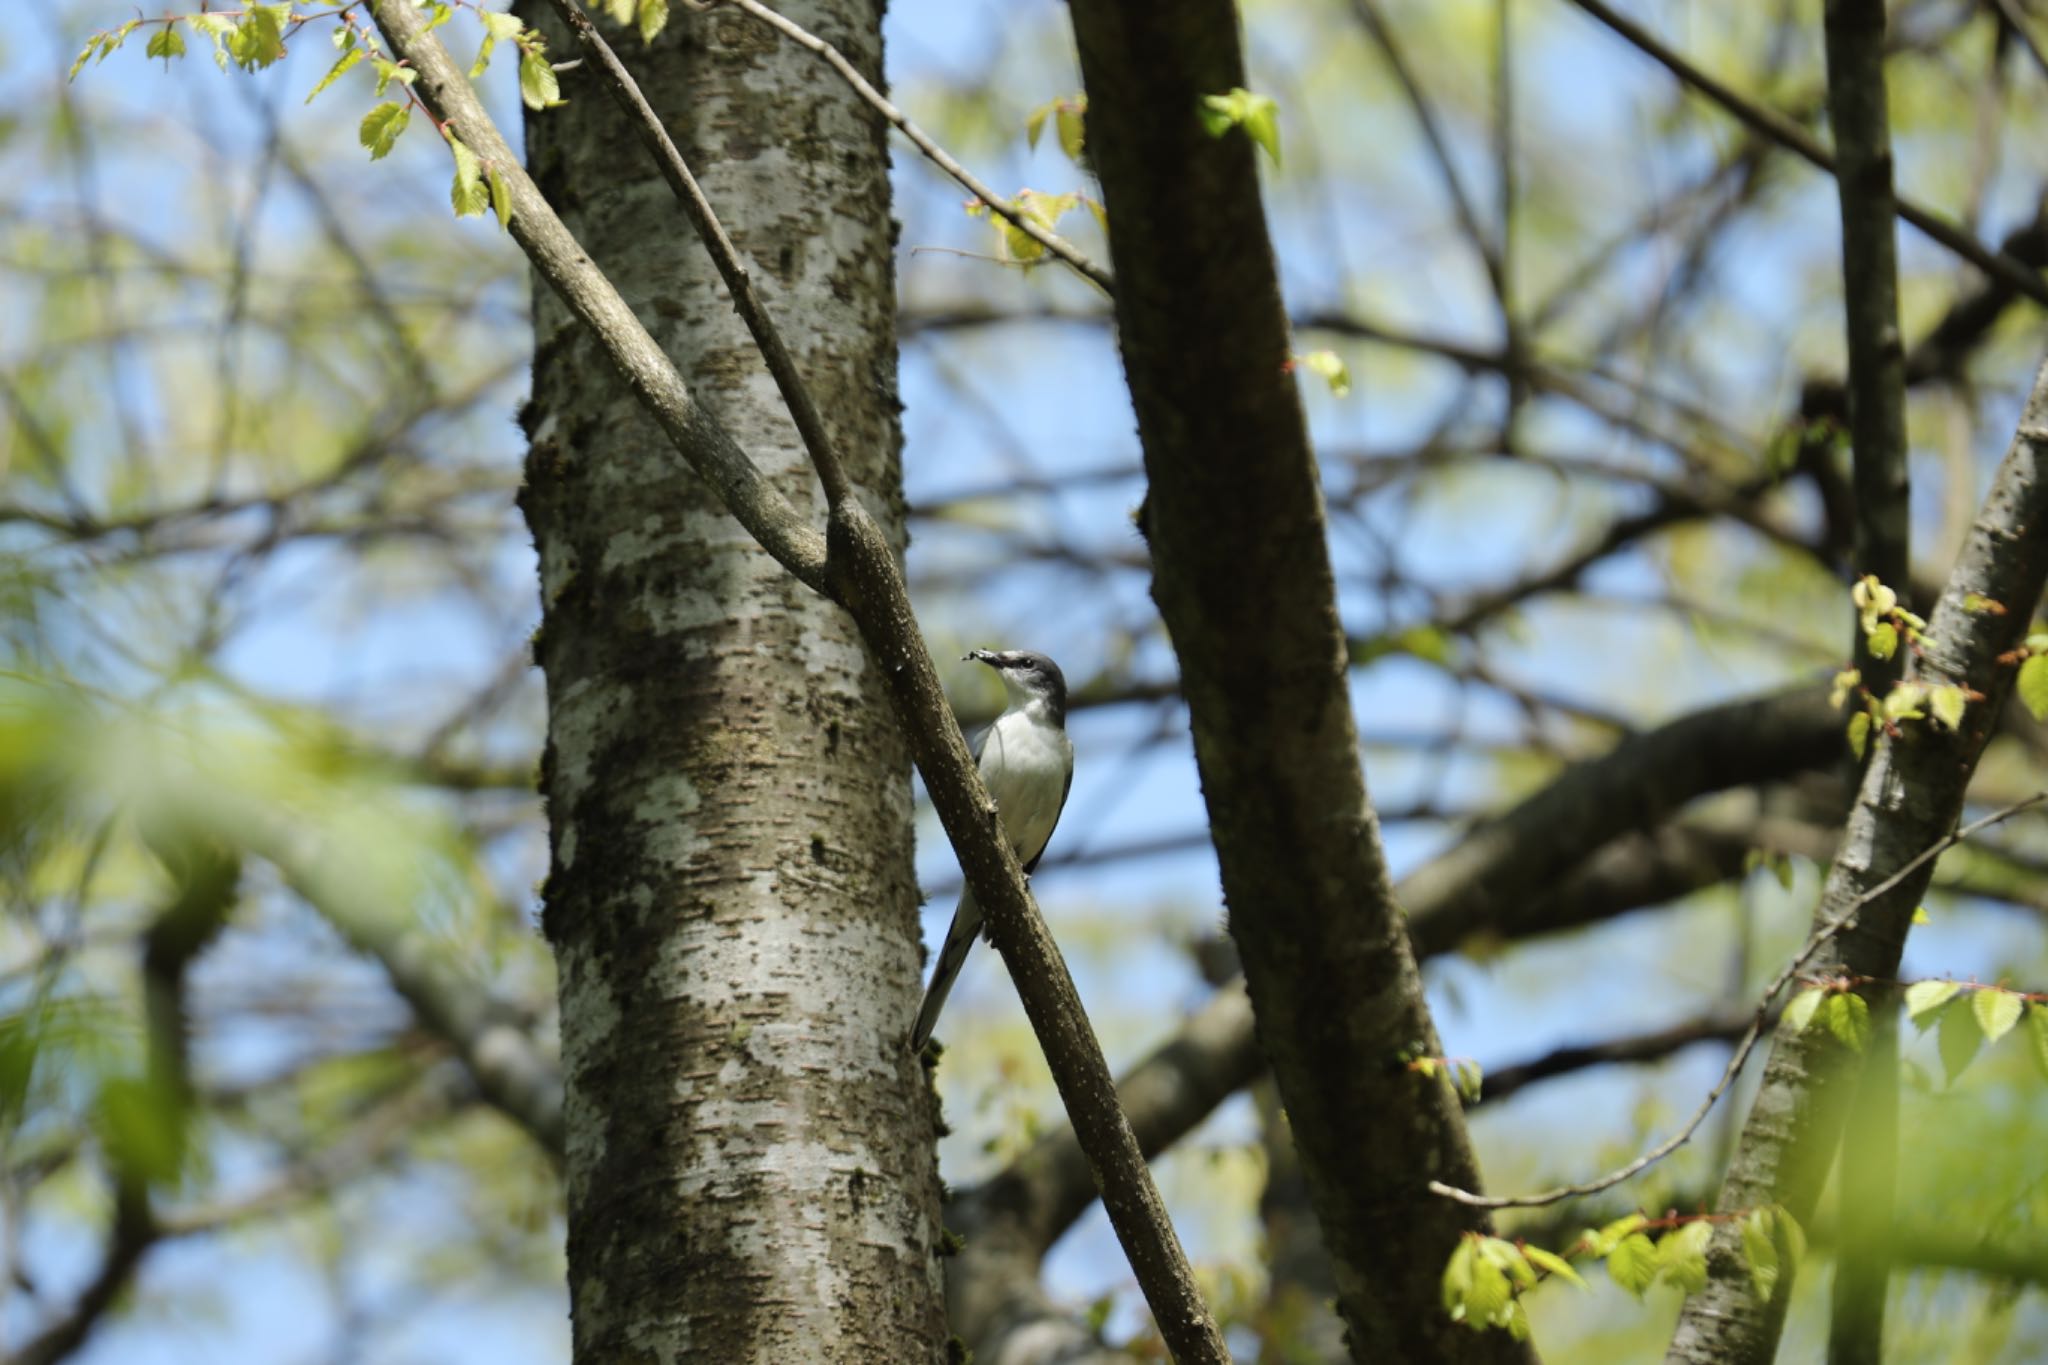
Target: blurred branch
point(1634, 1049)
point(206, 879)
point(1774, 125)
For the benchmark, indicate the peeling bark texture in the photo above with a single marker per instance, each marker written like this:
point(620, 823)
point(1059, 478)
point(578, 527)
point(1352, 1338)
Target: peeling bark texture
point(1911, 796)
point(731, 901)
point(1242, 577)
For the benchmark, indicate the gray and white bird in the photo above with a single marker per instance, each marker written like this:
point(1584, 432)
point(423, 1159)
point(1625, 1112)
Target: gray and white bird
point(1027, 764)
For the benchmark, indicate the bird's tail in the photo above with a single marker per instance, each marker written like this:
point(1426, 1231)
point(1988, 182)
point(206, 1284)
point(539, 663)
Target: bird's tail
point(959, 938)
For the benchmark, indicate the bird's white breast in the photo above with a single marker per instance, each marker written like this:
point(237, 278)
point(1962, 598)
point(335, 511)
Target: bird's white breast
point(1025, 764)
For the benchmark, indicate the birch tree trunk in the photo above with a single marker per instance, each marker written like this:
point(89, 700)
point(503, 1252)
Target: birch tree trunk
point(732, 900)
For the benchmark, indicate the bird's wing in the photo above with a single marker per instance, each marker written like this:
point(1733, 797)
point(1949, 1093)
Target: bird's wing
point(1032, 866)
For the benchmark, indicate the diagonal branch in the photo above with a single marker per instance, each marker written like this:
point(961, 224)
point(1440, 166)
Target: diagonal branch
point(861, 573)
point(1912, 794)
point(1243, 579)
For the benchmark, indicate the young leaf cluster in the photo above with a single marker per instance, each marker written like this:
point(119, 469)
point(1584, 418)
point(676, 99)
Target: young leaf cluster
point(1044, 210)
point(256, 38)
point(2032, 681)
point(1329, 367)
point(1462, 1072)
point(1966, 1017)
point(1486, 1277)
point(1484, 1282)
point(1069, 117)
point(1885, 624)
point(1241, 108)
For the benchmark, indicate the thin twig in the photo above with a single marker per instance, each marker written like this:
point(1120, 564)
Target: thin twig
point(937, 155)
point(1818, 939)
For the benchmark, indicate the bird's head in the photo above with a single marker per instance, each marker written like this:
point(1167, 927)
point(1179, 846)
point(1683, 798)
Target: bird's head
point(1027, 677)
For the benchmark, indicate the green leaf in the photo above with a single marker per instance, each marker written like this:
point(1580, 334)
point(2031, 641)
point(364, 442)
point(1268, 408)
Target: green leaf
point(1849, 1019)
point(334, 73)
point(1331, 368)
point(1045, 210)
point(1959, 1037)
point(501, 198)
point(2037, 1033)
point(2033, 685)
point(1903, 701)
point(1844, 682)
point(166, 43)
point(1920, 915)
point(1505, 1254)
point(219, 28)
point(85, 54)
point(1873, 601)
point(1241, 108)
point(1599, 1244)
point(1799, 1013)
point(258, 40)
point(469, 194)
point(1490, 1293)
point(389, 71)
point(539, 87)
point(381, 127)
point(1947, 704)
point(621, 11)
point(1859, 733)
point(653, 19)
point(1923, 998)
point(1760, 1250)
point(496, 26)
point(1633, 1264)
point(1457, 1280)
point(1554, 1264)
point(1072, 125)
point(1883, 640)
point(1682, 1254)
point(1997, 1011)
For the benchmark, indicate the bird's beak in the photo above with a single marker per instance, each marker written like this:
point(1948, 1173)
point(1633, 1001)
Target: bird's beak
point(980, 656)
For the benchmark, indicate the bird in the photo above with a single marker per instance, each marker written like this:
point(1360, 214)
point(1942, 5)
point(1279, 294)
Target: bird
point(1027, 764)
